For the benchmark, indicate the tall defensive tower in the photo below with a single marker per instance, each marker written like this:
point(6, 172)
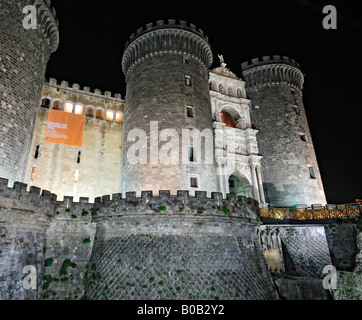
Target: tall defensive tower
point(290, 170)
point(24, 54)
point(166, 69)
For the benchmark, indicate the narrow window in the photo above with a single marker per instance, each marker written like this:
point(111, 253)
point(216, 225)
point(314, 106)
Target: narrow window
point(187, 61)
point(297, 110)
point(78, 109)
point(68, 107)
point(33, 173)
point(37, 153)
point(303, 137)
point(89, 113)
point(191, 154)
point(99, 114)
point(193, 182)
point(57, 105)
point(188, 80)
point(190, 112)
point(78, 158)
point(45, 103)
point(311, 172)
point(119, 117)
point(109, 115)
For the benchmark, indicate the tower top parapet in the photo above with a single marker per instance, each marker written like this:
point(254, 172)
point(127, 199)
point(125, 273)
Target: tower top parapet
point(277, 59)
point(272, 70)
point(166, 37)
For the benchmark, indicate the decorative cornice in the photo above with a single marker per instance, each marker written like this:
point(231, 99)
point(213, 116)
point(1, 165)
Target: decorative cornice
point(275, 70)
point(166, 38)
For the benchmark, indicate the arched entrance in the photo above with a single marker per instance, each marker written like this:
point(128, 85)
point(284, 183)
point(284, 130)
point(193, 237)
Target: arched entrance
point(239, 185)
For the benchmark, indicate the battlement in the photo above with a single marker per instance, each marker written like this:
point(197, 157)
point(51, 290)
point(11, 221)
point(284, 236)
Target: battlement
point(276, 59)
point(272, 70)
point(49, 22)
point(107, 205)
point(86, 90)
point(166, 37)
point(166, 24)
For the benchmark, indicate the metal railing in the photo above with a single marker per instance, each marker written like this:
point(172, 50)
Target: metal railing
point(329, 211)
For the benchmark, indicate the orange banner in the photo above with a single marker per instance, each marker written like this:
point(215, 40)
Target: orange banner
point(65, 128)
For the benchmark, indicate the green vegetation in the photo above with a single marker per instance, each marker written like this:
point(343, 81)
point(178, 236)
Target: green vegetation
point(86, 240)
point(73, 216)
point(66, 263)
point(181, 209)
point(48, 262)
point(84, 213)
point(47, 280)
point(152, 279)
point(67, 210)
point(162, 208)
point(94, 212)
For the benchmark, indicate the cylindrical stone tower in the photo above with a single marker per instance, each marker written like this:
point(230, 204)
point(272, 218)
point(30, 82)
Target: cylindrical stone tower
point(290, 170)
point(167, 101)
point(27, 39)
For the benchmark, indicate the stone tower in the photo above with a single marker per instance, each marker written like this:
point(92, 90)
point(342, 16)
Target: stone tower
point(168, 102)
point(23, 59)
point(290, 170)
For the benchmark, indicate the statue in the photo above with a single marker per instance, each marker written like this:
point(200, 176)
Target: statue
point(222, 62)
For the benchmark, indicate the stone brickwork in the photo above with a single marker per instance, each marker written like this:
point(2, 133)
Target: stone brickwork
point(274, 86)
point(24, 56)
point(155, 63)
point(100, 163)
point(187, 248)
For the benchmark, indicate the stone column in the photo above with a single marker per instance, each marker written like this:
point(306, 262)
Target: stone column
point(260, 184)
point(255, 182)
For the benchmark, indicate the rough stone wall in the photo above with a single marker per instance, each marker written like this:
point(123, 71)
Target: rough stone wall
point(281, 119)
point(199, 252)
point(24, 56)
point(157, 91)
point(69, 243)
point(345, 242)
point(24, 220)
point(99, 167)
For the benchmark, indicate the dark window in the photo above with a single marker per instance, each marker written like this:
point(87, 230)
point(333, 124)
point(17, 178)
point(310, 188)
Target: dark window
point(190, 112)
point(78, 158)
point(191, 154)
point(45, 103)
point(37, 153)
point(311, 173)
point(297, 110)
point(187, 61)
point(57, 105)
point(303, 137)
point(231, 183)
point(193, 182)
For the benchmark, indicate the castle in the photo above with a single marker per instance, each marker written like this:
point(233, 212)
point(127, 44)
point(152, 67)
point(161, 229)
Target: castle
point(194, 151)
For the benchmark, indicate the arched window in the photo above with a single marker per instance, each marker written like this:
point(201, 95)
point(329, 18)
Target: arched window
point(68, 107)
point(89, 112)
point(100, 114)
point(109, 115)
point(228, 119)
point(119, 117)
point(57, 105)
point(45, 103)
point(230, 91)
point(239, 94)
point(78, 109)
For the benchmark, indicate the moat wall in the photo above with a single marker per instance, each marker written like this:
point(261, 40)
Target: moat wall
point(165, 247)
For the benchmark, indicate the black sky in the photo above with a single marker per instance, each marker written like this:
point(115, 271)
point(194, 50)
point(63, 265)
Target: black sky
point(93, 35)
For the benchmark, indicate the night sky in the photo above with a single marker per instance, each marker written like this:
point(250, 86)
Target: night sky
point(93, 35)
